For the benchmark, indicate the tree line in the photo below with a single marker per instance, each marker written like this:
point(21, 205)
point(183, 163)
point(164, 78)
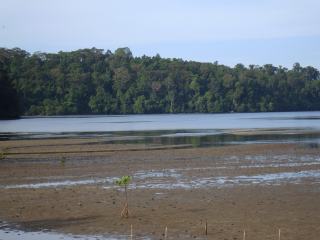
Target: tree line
point(94, 81)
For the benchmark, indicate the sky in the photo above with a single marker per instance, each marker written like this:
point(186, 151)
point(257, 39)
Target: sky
point(279, 32)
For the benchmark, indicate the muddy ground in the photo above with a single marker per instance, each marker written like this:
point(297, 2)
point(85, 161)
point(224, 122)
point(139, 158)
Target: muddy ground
point(229, 207)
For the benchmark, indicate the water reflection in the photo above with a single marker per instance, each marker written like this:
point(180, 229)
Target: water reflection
point(193, 138)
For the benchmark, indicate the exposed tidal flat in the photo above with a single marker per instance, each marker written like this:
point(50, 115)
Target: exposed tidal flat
point(258, 172)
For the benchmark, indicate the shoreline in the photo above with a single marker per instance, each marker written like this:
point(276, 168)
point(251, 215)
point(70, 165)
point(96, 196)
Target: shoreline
point(262, 187)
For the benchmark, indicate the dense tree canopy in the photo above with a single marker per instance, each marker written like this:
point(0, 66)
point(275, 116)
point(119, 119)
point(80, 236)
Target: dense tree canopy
point(9, 103)
point(92, 81)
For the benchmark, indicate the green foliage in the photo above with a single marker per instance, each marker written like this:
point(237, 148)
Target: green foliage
point(92, 81)
point(123, 181)
point(139, 105)
point(2, 155)
point(9, 100)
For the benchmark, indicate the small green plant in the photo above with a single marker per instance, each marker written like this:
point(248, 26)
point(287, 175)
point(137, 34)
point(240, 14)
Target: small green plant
point(124, 182)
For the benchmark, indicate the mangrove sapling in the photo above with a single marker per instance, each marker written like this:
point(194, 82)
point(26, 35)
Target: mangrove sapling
point(124, 182)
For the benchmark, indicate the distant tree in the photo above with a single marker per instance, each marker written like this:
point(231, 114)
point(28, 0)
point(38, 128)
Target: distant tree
point(94, 81)
point(9, 101)
point(139, 105)
point(101, 102)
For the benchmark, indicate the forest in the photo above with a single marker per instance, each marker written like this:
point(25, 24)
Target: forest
point(94, 81)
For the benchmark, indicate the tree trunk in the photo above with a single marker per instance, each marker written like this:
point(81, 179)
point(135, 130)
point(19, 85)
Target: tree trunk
point(125, 211)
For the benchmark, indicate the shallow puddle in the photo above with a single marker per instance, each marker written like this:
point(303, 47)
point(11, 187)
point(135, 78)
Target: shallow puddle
point(173, 180)
point(66, 183)
point(190, 177)
point(227, 181)
point(9, 233)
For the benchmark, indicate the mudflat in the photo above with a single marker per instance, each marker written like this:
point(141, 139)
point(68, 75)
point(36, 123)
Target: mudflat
point(67, 185)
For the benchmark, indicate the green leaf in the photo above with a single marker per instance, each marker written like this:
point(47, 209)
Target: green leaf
point(123, 181)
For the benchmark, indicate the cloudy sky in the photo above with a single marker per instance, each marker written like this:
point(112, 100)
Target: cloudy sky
point(280, 32)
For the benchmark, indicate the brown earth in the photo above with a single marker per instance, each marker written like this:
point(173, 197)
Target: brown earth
point(90, 209)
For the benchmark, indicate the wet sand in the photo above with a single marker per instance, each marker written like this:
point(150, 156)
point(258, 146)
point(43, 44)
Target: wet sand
point(256, 187)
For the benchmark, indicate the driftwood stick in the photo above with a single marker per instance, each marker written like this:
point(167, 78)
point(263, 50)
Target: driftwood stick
point(244, 235)
point(279, 236)
point(131, 233)
point(166, 233)
point(206, 227)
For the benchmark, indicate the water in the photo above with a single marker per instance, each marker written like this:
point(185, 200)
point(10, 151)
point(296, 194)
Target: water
point(8, 232)
point(173, 129)
point(116, 123)
point(195, 130)
point(186, 178)
point(180, 181)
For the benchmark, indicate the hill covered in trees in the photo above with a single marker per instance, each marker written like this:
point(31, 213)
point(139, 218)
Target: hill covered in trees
point(92, 81)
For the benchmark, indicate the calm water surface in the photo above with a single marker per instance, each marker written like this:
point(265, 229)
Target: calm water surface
point(115, 123)
point(194, 129)
point(8, 232)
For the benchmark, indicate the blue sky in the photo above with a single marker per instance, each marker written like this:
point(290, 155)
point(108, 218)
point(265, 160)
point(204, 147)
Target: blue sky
point(280, 32)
